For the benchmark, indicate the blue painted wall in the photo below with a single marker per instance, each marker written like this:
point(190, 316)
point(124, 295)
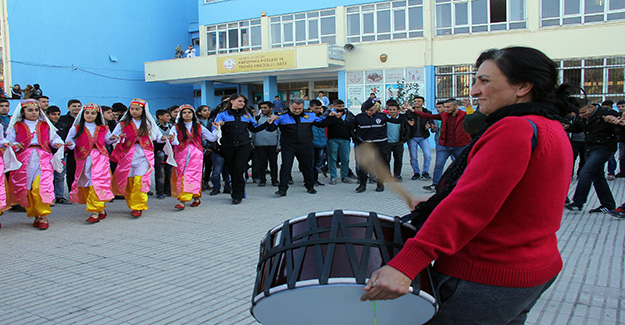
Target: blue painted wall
point(224, 11)
point(65, 45)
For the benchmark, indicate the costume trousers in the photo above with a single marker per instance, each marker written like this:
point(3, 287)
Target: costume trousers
point(185, 196)
point(304, 154)
point(235, 159)
point(135, 199)
point(465, 302)
point(36, 206)
point(264, 155)
point(94, 204)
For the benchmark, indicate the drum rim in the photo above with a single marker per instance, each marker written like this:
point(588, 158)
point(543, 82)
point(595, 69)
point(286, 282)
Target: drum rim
point(328, 213)
point(333, 281)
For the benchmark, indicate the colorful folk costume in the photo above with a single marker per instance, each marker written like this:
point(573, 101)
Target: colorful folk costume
point(3, 195)
point(33, 182)
point(134, 155)
point(92, 182)
point(189, 155)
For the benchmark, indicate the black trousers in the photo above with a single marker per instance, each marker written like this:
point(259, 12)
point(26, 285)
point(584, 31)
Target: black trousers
point(264, 155)
point(70, 168)
point(383, 149)
point(235, 159)
point(397, 151)
point(304, 154)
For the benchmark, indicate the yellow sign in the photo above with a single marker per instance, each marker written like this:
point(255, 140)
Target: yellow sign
point(248, 62)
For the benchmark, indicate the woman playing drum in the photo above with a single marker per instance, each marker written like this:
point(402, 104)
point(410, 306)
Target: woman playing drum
point(493, 237)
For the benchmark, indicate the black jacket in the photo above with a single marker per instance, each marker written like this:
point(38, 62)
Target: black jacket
point(64, 124)
point(419, 129)
point(599, 133)
point(405, 130)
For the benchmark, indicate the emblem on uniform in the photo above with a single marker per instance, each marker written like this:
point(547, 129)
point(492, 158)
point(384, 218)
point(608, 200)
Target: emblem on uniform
point(378, 121)
point(305, 116)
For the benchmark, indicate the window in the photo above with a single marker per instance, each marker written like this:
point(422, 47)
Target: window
point(384, 21)
point(453, 81)
point(601, 78)
point(304, 28)
point(233, 37)
point(565, 12)
point(474, 16)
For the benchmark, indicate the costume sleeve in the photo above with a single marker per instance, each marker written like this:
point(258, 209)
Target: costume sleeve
point(56, 139)
point(70, 138)
point(10, 135)
point(208, 135)
point(108, 140)
point(497, 163)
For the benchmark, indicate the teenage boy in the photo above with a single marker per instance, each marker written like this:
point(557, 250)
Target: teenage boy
point(398, 134)
point(64, 125)
point(266, 147)
point(419, 139)
point(54, 114)
point(162, 170)
point(5, 106)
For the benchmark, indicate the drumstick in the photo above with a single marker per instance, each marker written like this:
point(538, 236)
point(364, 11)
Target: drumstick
point(371, 161)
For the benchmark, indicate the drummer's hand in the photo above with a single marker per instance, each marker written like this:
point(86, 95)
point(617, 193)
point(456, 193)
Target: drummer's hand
point(385, 284)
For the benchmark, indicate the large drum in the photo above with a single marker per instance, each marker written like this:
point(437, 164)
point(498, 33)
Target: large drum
point(313, 269)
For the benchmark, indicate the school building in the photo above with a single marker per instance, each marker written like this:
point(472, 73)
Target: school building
point(119, 49)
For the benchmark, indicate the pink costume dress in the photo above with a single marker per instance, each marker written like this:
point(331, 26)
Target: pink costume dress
point(36, 159)
point(134, 157)
point(189, 157)
point(92, 162)
point(3, 194)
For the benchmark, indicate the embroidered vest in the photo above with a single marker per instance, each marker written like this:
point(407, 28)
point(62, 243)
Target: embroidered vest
point(132, 137)
point(192, 138)
point(24, 137)
point(86, 141)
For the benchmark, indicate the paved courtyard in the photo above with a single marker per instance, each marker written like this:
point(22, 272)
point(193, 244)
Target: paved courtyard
point(198, 265)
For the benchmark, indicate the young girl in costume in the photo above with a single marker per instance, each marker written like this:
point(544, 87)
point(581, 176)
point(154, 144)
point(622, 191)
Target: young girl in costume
point(135, 155)
point(88, 138)
point(31, 135)
point(189, 154)
point(3, 195)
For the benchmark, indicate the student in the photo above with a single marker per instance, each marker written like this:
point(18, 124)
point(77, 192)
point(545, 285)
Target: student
point(92, 184)
point(54, 114)
point(4, 112)
point(32, 135)
point(162, 171)
point(135, 155)
point(203, 116)
point(266, 147)
point(187, 135)
point(398, 134)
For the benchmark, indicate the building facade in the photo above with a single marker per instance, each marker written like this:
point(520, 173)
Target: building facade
point(353, 48)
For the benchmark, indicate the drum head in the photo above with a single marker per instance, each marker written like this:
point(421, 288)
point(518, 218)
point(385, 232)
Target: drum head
point(340, 304)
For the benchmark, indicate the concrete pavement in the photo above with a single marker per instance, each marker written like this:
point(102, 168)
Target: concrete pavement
point(198, 265)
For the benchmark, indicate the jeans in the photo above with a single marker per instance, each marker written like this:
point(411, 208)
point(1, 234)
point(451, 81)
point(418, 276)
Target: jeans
point(612, 165)
point(413, 147)
point(59, 183)
point(396, 150)
point(593, 174)
point(338, 148)
point(162, 174)
point(318, 157)
point(442, 153)
point(466, 302)
point(579, 149)
point(218, 172)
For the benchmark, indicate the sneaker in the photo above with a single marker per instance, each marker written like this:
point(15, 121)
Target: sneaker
point(426, 176)
point(280, 193)
point(361, 188)
point(599, 209)
point(345, 180)
point(318, 183)
point(611, 177)
point(573, 207)
point(236, 201)
point(62, 200)
point(415, 177)
point(311, 190)
point(399, 179)
point(332, 181)
point(617, 213)
point(430, 187)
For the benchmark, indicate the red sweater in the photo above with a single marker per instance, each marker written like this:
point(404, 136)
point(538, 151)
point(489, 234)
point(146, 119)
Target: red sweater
point(458, 137)
point(498, 226)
